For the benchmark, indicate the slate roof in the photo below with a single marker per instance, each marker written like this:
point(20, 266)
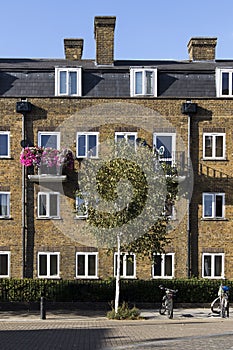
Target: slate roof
point(36, 77)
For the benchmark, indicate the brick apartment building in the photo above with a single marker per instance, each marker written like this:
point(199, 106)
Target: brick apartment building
point(184, 106)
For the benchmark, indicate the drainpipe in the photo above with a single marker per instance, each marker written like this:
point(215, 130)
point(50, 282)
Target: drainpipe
point(189, 108)
point(188, 204)
point(23, 203)
point(23, 107)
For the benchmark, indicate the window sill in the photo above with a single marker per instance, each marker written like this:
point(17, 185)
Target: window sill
point(49, 277)
point(213, 278)
point(5, 157)
point(48, 218)
point(214, 219)
point(128, 277)
point(6, 218)
point(86, 278)
point(215, 159)
point(162, 277)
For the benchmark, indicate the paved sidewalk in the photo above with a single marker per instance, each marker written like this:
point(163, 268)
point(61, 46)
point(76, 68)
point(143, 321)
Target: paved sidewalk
point(90, 330)
point(147, 314)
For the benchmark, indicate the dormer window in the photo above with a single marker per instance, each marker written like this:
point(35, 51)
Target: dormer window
point(224, 82)
point(68, 81)
point(143, 82)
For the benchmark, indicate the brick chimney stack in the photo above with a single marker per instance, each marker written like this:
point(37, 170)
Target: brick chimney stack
point(104, 27)
point(73, 49)
point(202, 49)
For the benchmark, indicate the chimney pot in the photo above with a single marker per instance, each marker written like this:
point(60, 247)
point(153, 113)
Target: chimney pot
point(73, 49)
point(202, 49)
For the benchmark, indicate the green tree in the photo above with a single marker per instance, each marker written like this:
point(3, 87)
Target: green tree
point(126, 190)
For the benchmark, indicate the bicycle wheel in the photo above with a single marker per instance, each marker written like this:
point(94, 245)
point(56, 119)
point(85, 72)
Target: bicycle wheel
point(162, 309)
point(227, 309)
point(216, 306)
point(170, 309)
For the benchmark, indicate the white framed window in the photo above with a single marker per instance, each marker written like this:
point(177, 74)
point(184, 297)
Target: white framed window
point(68, 81)
point(48, 264)
point(4, 264)
point(224, 82)
point(143, 82)
point(213, 265)
point(48, 205)
point(129, 137)
point(49, 139)
point(4, 204)
point(4, 144)
point(213, 205)
point(214, 145)
point(163, 265)
point(127, 265)
point(86, 265)
point(165, 145)
point(87, 144)
point(81, 206)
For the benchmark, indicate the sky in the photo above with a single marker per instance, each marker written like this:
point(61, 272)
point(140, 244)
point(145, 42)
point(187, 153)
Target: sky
point(145, 29)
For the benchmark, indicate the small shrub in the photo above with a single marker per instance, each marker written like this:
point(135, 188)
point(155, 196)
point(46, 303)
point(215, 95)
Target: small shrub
point(124, 313)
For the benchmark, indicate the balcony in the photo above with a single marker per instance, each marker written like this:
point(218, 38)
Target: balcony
point(48, 174)
point(174, 164)
point(48, 163)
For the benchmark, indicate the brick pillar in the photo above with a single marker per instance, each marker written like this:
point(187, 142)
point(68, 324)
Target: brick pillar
point(73, 49)
point(104, 36)
point(202, 49)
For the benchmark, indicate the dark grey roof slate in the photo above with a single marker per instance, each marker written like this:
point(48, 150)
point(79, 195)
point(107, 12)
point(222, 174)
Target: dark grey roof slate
point(36, 77)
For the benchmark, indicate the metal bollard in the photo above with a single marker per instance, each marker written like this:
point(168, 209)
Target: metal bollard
point(42, 308)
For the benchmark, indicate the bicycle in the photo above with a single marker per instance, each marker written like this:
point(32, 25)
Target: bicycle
point(220, 305)
point(167, 303)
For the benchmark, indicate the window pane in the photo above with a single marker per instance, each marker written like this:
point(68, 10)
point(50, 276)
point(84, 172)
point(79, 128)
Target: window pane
point(3, 145)
point(53, 265)
point(121, 265)
point(43, 265)
point(218, 266)
point(207, 265)
point(208, 205)
point(49, 141)
point(219, 146)
point(4, 264)
point(81, 145)
point(91, 265)
point(131, 139)
point(4, 204)
point(166, 142)
point(225, 83)
point(208, 146)
point(120, 138)
point(63, 82)
point(92, 144)
point(53, 205)
point(168, 265)
point(129, 265)
point(138, 83)
point(219, 206)
point(81, 265)
point(149, 83)
point(157, 265)
point(73, 83)
point(42, 204)
point(81, 208)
